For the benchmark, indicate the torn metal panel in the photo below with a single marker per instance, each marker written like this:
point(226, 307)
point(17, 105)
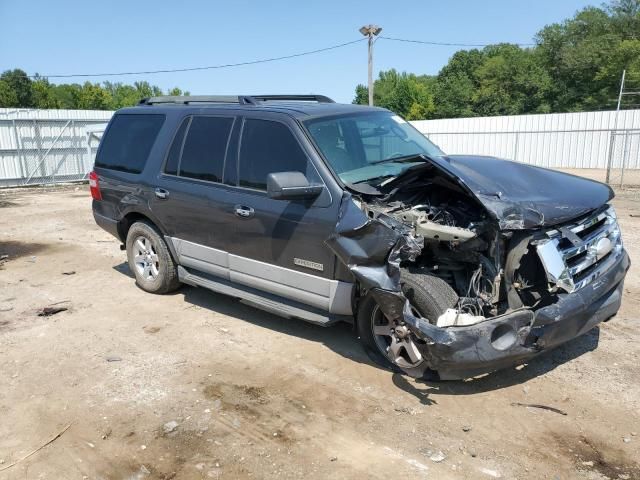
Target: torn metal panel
point(372, 248)
point(519, 246)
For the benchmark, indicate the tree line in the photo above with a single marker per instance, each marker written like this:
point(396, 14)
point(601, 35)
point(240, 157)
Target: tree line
point(17, 89)
point(574, 66)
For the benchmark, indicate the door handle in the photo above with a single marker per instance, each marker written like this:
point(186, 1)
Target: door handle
point(243, 211)
point(161, 193)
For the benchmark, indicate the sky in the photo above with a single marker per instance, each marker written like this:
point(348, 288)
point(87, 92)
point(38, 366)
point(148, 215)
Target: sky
point(73, 36)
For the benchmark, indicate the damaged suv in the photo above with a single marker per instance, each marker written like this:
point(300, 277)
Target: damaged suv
point(449, 266)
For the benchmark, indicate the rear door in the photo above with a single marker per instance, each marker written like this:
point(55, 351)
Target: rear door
point(123, 154)
point(189, 198)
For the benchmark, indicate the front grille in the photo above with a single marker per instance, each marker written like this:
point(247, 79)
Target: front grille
point(575, 254)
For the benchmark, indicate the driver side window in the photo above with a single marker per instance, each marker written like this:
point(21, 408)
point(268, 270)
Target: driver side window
point(269, 147)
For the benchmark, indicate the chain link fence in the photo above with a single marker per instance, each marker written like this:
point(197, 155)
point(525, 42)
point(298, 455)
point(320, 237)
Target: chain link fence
point(47, 151)
point(624, 159)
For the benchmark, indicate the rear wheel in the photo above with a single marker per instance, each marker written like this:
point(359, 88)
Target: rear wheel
point(150, 260)
point(390, 343)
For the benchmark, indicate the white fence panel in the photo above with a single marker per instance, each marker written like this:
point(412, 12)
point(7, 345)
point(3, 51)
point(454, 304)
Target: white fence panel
point(47, 146)
point(559, 140)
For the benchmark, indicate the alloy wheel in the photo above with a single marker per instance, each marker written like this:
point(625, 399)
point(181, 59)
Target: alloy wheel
point(145, 258)
point(395, 340)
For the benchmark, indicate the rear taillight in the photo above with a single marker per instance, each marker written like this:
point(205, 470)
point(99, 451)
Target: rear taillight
point(94, 186)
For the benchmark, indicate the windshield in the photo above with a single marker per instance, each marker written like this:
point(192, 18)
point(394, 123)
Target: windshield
point(369, 146)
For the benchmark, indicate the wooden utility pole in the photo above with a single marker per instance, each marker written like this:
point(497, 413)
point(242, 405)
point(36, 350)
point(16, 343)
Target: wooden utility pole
point(370, 31)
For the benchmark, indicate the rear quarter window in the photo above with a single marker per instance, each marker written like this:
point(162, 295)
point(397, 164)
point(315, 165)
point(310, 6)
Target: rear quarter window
point(128, 141)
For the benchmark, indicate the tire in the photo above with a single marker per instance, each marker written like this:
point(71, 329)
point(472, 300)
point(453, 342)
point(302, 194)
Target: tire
point(429, 297)
point(149, 259)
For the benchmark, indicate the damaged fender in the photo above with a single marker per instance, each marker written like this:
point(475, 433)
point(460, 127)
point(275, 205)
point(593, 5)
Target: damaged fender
point(372, 249)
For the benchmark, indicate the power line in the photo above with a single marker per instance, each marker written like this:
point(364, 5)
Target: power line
point(446, 44)
point(211, 67)
point(262, 60)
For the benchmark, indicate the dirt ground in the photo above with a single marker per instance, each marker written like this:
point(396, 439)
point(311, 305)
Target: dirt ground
point(196, 385)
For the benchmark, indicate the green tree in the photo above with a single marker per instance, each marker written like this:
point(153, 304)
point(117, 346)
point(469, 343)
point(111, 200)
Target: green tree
point(510, 81)
point(585, 55)
point(412, 98)
point(405, 93)
point(94, 97)
point(362, 95)
point(8, 97)
point(18, 90)
point(19, 82)
point(43, 94)
point(626, 17)
point(146, 90)
point(67, 95)
point(177, 92)
point(456, 83)
point(122, 95)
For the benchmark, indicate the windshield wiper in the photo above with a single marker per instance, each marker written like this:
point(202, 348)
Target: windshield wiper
point(403, 159)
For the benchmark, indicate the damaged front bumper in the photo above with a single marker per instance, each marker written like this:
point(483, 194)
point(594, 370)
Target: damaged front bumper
point(507, 340)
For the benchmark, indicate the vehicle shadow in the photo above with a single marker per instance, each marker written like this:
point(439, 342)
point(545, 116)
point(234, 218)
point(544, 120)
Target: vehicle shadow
point(341, 339)
point(124, 269)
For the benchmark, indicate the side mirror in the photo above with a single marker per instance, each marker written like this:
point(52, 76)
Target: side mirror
point(291, 186)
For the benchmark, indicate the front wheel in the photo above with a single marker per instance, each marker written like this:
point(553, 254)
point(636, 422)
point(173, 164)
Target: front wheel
point(390, 343)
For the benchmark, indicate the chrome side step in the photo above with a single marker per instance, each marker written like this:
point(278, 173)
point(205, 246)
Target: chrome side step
point(262, 300)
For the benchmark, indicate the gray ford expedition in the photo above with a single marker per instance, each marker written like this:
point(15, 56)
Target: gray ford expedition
point(449, 266)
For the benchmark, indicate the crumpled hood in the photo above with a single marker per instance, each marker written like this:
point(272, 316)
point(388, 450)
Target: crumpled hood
point(522, 196)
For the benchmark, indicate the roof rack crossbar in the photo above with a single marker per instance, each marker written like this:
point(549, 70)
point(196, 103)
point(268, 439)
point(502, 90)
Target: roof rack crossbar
point(186, 99)
point(295, 98)
point(240, 99)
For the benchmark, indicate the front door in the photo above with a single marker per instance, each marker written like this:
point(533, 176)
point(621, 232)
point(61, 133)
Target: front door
point(279, 244)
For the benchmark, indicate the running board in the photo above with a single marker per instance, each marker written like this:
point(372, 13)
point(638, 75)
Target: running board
point(262, 300)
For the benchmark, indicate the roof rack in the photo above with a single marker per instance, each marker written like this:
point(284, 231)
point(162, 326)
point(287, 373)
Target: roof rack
point(294, 98)
point(191, 99)
point(239, 99)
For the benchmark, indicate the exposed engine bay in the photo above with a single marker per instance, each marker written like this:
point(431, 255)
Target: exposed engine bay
point(460, 247)
point(493, 270)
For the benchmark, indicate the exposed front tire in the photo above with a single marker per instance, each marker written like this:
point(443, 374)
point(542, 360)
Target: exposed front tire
point(391, 344)
point(150, 260)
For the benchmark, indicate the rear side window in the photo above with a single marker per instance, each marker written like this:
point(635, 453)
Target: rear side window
point(205, 147)
point(128, 141)
point(171, 167)
point(268, 147)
